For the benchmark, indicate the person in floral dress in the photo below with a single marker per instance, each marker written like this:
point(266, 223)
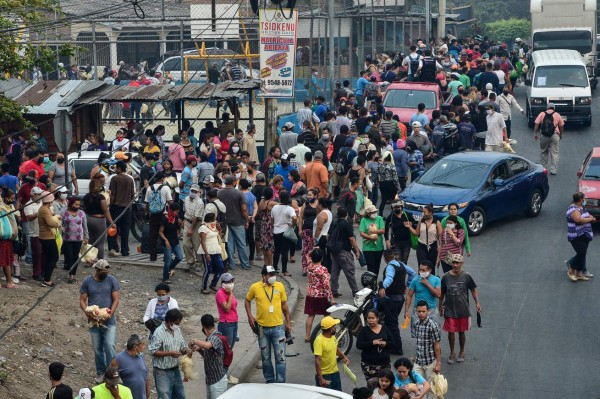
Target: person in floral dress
point(308, 214)
point(318, 294)
point(75, 233)
point(266, 226)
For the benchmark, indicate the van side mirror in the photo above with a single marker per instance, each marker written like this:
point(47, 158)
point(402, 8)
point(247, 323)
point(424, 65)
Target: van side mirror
point(527, 82)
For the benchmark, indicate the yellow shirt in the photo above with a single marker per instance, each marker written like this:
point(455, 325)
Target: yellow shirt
point(102, 392)
point(327, 349)
point(265, 298)
point(148, 150)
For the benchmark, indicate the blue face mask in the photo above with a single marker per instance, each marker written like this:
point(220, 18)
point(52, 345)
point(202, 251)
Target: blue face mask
point(46, 159)
point(162, 298)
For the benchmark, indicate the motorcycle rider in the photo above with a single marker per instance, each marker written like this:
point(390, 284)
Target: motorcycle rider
point(391, 293)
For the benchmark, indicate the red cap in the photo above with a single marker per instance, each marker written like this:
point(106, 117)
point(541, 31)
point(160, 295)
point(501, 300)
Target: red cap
point(191, 158)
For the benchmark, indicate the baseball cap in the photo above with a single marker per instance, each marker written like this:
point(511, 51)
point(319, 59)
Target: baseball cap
point(268, 270)
point(63, 189)
point(551, 105)
point(318, 155)
point(329, 322)
point(191, 158)
point(457, 258)
point(111, 376)
point(489, 86)
point(400, 143)
point(456, 74)
point(86, 393)
point(260, 177)
point(416, 124)
point(227, 277)
point(47, 197)
point(518, 39)
point(36, 191)
point(194, 187)
point(229, 180)
point(289, 125)
point(250, 127)
point(208, 179)
point(284, 157)
point(101, 265)
point(397, 203)
point(120, 155)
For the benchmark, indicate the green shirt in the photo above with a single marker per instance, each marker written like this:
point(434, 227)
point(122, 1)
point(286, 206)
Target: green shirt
point(369, 245)
point(462, 223)
point(102, 392)
point(464, 79)
point(453, 86)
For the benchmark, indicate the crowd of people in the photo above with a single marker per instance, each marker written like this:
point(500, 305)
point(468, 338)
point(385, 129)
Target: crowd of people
point(211, 204)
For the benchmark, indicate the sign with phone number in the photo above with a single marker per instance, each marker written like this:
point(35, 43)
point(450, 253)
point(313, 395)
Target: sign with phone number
point(277, 30)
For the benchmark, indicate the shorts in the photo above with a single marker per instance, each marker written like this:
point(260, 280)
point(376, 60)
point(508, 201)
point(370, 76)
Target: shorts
point(313, 306)
point(458, 324)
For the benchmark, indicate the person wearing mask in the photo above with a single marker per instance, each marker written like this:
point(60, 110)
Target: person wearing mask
point(397, 235)
point(132, 368)
point(158, 198)
point(321, 227)
point(56, 173)
point(101, 289)
point(552, 127)
point(252, 206)
point(122, 193)
point(249, 143)
point(318, 293)
point(579, 234)
point(283, 170)
point(371, 231)
point(35, 163)
point(169, 232)
point(176, 154)
point(75, 234)
point(451, 242)
point(496, 132)
point(306, 222)
point(376, 343)
point(228, 314)
point(120, 143)
point(166, 347)
point(271, 310)
point(507, 101)
point(340, 243)
point(210, 250)
point(426, 288)
point(48, 223)
point(97, 214)
point(326, 351)
point(388, 180)
point(265, 206)
point(401, 162)
point(284, 217)
point(428, 232)
point(158, 307)
point(288, 138)
point(213, 353)
point(237, 221)
point(188, 177)
point(7, 257)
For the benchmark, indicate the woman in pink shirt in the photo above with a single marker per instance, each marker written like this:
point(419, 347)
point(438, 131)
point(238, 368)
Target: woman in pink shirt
point(176, 154)
point(227, 307)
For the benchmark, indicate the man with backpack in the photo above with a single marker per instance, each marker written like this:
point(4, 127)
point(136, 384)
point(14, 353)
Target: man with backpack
point(158, 196)
point(214, 354)
point(343, 162)
point(551, 125)
point(414, 63)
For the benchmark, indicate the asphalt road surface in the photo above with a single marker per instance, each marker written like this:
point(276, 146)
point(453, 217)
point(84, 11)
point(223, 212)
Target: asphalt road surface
point(539, 335)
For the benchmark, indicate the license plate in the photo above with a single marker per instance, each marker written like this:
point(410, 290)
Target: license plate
point(417, 216)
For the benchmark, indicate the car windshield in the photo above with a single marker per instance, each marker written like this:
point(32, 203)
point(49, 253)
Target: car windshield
point(561, 76)
point(455, 173)
point(592, 172)
point(405, 98)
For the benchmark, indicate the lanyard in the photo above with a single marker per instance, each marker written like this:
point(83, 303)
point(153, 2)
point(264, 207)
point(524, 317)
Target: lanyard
point(272, 293)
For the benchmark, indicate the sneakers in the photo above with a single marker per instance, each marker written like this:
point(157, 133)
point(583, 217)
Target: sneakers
point(588, 274)
point(113, 253)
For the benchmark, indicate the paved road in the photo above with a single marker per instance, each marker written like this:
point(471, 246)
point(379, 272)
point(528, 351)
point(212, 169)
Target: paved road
point(539, 329)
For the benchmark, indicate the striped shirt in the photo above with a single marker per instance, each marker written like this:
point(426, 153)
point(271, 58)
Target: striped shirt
point(213, 360)
point(306, 114)
point(449, 245)
point(427, 333)
point(575, 230)
point(166, 341)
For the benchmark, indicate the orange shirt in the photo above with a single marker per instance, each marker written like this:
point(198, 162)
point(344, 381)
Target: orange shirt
point(316, 176)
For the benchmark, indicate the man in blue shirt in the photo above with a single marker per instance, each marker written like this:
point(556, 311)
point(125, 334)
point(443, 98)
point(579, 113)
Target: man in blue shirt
point(425, 288)
point(8, 180)
point(284, 170)
point(321, 108)
point(420, 116)
point(360, 88)
point(396, 277)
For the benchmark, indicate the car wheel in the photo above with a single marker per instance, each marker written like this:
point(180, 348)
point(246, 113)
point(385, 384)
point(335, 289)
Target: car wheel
point(477, 220)
point(534, 206)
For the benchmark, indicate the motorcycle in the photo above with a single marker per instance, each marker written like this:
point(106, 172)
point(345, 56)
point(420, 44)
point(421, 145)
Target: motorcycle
point(354, 318)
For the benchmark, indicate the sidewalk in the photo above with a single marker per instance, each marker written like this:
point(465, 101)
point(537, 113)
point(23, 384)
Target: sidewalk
point(246, 353)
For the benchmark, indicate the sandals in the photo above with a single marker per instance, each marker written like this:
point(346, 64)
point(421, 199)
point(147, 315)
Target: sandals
point(292, 260)
point(205, 291)
point(287, 274)
point(10, 286)
point(460, 359)
point(49, 285)
point(451, 360)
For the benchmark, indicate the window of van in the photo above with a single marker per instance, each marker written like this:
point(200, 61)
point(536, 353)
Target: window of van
point(552, 76)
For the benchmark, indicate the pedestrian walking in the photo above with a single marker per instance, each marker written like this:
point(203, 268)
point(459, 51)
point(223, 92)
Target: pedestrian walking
point(252, 205)
point(213, 353)
point(321, 227)
point(496, 130)
point(579, 234)
point(132, 367)
point(341, 243)
point(451, 242)
point(101, 289)
point(228, 315)
point(98, 215)
point(169, 232)
point(551, 125)
point(454, 306)
point(306, 223)
point(271, 309)
point(237, 221)
point(326, 351)
point(428, 361)
point(427, 287)
point(211, 252)
point(318, 293)
point(6, 244)
point(284, 218)
point(376, 343)
point(265, 207)
point(397, 235)
point(193, 215)
point(158, 198)
point(453, 211)
point(372, 229)
point(75, 234)
point(428, 232)
point(507, 101)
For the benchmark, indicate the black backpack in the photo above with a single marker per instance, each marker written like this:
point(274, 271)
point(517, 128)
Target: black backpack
point(547, 126)
point(334, 242)
point(342, 165)
point(414, 64)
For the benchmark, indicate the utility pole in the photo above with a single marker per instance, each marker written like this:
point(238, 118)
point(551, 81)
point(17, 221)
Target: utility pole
point(427, 22)
point(270, 132)
point(95, 55)
point(441, 28)
point(330, 6)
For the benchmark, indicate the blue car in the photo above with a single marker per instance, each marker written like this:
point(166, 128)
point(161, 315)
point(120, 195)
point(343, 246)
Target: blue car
point(487, 186)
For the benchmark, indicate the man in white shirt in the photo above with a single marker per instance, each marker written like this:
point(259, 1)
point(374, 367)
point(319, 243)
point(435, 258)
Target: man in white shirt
point(307, 114)
point(121, 143)
point(288, 138)
point(496, 133)
point(155, 219)
point(506, 101)
point(415, 59)
point(299, 150)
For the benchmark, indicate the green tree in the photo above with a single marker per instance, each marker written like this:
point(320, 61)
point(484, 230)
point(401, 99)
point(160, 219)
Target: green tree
point(21, 22)
point(508, 29)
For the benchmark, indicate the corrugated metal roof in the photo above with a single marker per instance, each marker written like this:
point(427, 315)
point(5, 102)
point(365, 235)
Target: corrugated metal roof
point(51, 105)
point(11, 88)
point(39, 92)
point(84, 87)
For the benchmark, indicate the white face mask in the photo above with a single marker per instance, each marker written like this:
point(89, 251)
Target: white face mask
point(193, 195)
point(451, 226)
point(238, 175)
point(489, 111)
point(235, 150)
point(228, 286)
point(175, 328)
point(64, 196)
point(424, 274)
point(271, 280)
point(230, 139)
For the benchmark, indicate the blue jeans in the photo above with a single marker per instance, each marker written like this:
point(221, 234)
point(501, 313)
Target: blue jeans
point(171, 263)
point(215, 267)
point(104, 340)
point(169, 384)
point(237, 240)
point(335, 382)
point(272, 337)
point(27, 233)
point(229, 331)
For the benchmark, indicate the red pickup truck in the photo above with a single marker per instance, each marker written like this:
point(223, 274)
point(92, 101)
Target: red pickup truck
point(403, 98)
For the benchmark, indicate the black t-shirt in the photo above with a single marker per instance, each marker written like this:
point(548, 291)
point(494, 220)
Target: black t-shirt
point(170, 231)
point(361, 125)
point(346, 231)
point(395, 226)
point(338, 142)
point(61, 391)
point(257, 190)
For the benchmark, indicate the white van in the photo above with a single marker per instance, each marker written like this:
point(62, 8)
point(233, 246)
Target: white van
point(559, 77)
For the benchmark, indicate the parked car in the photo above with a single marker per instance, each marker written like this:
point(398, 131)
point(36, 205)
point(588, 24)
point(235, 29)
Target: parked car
point(487, 186)
point(287, 391)
point(197, 66)
point(403, 98)
point(588, 181)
